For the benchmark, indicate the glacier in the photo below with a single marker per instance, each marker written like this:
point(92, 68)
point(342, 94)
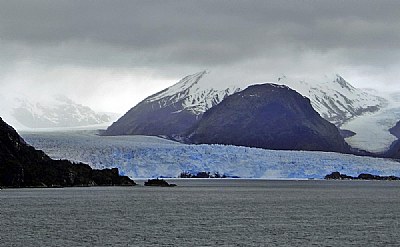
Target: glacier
point(149, 156)
point(372, 129)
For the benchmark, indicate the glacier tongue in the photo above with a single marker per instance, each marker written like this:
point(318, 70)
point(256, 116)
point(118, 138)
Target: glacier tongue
point(143, 157)
point(372, 130)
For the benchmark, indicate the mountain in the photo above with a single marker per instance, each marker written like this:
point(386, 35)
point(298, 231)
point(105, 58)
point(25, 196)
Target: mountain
point(52, 112)
point(335, 99)
point(267, 116)
point(174, 110)
point(22, 165)
point(171, 111)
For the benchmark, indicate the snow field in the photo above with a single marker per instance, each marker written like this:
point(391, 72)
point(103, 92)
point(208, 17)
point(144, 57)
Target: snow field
point(372, 129)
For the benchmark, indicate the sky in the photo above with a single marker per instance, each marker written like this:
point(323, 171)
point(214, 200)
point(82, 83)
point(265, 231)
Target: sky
point(110, 55)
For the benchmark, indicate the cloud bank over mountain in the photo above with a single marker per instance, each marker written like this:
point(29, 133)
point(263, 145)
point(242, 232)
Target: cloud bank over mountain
point(81, 48)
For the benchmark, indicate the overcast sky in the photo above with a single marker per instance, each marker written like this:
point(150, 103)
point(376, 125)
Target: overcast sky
point(112, 54)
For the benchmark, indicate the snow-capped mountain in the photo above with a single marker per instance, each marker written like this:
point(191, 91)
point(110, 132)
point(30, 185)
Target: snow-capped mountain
point(335, 99)
point(52, 112)
point(175, 109)
point(193, 95)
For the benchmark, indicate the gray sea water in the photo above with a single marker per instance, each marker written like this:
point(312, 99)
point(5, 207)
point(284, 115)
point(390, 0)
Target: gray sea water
point(205, 213)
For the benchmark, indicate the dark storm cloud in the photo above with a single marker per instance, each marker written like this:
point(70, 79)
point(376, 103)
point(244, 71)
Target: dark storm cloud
point(203, 33)
point(118, 52)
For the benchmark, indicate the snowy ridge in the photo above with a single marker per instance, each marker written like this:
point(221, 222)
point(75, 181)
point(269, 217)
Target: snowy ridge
point(179, 90)
point(143, 157)
point(50, 112)
point(335, 99)
point(194, 96)
point(332, 97)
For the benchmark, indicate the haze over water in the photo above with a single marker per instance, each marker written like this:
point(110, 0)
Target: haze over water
point(205, 213)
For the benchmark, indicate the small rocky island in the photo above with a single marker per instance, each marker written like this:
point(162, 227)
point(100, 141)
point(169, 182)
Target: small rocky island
point(362, 176)
point(205, 175)
point(21, 165)
point(158, 182)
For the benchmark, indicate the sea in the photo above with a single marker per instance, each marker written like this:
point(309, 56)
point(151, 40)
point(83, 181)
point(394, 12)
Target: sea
point(205, 212)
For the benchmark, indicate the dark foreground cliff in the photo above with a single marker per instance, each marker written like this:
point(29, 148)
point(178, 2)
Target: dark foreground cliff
point(22, 165)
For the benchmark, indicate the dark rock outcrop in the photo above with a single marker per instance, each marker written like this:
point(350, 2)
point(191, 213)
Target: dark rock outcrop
point(394, 151)
point(267, 116)
point(22, 165)
point(346, 133)
point(337, 176)
point(362, 176)
point(158, 182)
point(395, 130)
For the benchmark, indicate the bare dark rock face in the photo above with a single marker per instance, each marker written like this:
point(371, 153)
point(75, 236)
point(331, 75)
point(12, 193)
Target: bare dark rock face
point(394, 151)
point(395, 130)
point(267, 116)
point(148, 118)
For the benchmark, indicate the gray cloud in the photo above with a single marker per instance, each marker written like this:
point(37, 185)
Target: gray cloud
point(172, 38)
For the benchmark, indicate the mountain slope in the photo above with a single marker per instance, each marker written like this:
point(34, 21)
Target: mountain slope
point(171, 111)
point(21, 165)
point(395, 130)
point(51, 112)
point(267, 116)
point(335, 99)
point(60, 112)
point(175, 109)
point(394, 151)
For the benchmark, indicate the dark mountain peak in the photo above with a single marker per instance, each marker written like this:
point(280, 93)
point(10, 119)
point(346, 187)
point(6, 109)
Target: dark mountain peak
point(267, 116)
point(9, 135)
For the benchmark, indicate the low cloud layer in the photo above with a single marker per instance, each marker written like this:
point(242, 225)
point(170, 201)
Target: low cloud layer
point(97, 51)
